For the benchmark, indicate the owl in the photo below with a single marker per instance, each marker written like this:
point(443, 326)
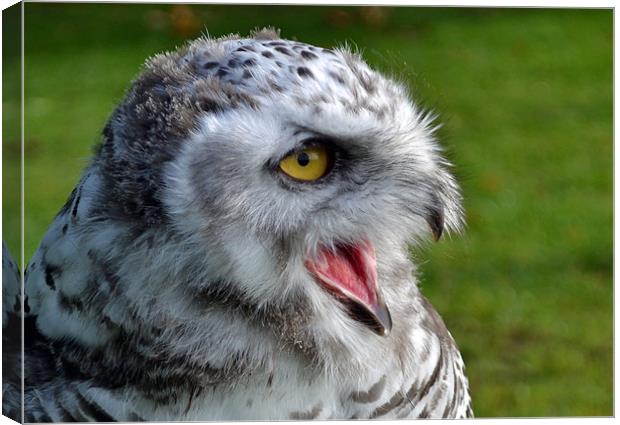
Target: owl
point(238, 249)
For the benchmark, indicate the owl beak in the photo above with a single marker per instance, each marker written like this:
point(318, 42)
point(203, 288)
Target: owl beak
point(376, 316)
point(349, 273)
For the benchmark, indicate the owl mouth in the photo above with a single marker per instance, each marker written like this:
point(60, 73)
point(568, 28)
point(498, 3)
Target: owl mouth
point(349, 272)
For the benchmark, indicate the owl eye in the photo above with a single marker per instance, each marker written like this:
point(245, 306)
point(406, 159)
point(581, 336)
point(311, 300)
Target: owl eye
point(307, 164)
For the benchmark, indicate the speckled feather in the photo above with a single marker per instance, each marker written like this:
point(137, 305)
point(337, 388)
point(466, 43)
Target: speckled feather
point(172, 286)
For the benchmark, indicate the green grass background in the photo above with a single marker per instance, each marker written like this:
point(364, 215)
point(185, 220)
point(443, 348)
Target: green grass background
point(526, 100)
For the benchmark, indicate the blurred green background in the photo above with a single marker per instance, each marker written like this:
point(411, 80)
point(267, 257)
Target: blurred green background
point(525, 96)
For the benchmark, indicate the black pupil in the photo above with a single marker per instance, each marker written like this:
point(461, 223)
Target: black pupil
point(303, 159)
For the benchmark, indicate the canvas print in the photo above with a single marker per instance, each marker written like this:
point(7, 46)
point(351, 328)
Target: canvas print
point(270, 213)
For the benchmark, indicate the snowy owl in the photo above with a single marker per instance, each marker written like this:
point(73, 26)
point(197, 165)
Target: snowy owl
point(238, 249)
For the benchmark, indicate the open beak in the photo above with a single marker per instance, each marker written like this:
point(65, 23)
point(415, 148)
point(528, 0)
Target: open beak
point(350, 274)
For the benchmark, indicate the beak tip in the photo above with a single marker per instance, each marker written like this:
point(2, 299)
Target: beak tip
point(376, 317)
point(384, 320)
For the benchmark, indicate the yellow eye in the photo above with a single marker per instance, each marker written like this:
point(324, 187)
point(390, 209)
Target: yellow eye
point(307, 164)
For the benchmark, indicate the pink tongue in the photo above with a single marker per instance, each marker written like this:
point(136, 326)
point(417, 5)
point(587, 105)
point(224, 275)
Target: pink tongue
point(351, 270)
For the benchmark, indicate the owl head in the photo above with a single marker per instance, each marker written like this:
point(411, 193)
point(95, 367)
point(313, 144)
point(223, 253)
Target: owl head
point(293, 176)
